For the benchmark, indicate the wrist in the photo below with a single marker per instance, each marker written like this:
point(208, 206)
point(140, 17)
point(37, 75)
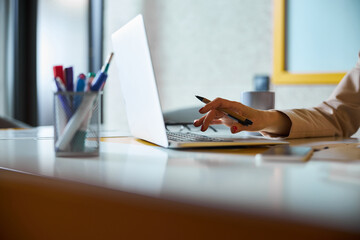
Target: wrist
point(277, 123)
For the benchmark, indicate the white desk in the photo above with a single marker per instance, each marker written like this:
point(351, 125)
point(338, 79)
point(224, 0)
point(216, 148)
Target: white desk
point(323, 193)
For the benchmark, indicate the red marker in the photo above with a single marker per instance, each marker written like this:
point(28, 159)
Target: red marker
point(59, 72)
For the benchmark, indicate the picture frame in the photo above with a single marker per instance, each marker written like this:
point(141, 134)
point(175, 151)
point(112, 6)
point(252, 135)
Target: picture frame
point(280, 73)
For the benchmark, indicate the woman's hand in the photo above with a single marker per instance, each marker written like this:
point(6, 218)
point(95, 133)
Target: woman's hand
point(267, 121)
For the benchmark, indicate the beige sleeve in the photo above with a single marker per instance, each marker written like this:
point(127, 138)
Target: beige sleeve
point(337, 116)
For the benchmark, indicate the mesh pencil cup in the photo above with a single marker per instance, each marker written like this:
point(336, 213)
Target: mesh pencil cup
point(77, 123)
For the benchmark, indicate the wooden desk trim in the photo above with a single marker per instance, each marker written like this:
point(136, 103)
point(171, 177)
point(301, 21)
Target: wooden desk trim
point(35, 207)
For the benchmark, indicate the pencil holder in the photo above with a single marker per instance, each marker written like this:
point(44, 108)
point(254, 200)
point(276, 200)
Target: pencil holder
point(77, 123)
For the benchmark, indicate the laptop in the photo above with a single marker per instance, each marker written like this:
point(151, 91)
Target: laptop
point(141, 98)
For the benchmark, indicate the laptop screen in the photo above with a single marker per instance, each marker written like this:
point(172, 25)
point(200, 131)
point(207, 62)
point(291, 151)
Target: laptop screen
point(138, 85)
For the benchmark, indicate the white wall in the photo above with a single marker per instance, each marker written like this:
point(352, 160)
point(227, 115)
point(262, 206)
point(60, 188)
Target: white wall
point(206, 47)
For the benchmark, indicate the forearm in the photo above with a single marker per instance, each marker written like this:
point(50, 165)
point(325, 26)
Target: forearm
point(337, 116)
point(276, 124)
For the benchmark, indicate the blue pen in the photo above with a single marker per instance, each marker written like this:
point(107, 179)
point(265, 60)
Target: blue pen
point(80, 84)
point(78, 141)
point(69, 79)
point(99, 80)
point(60, 86)
point(101, 76)
point(63, 99)
point(80, 87)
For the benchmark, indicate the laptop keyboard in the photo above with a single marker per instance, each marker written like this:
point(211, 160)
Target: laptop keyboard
point(192, 137)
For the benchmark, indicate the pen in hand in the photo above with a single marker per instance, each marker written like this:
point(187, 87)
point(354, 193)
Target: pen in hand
point(240, 119)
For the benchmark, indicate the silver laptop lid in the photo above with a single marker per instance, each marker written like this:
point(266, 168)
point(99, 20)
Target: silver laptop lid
point(138, 86)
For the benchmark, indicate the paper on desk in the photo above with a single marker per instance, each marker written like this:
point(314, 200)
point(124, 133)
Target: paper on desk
point(47, 132)
point(44, 132)
point(340, 151)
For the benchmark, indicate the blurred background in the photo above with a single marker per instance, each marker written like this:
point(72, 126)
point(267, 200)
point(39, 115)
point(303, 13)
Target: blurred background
point(212, 48)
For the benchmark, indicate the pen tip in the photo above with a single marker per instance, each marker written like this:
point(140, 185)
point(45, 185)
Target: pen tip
point(198, 97)
point(110, 57)
point(248, 122)
point(105, 68)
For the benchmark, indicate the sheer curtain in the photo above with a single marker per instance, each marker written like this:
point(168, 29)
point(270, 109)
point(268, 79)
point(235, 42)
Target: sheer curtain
point(16, 54)
point(3, 43)
point(6, 58)
point(62, 39)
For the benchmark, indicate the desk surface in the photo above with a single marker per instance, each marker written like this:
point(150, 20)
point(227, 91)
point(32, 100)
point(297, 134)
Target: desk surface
point(324, 191)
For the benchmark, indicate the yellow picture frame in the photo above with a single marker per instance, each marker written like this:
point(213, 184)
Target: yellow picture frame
point(280, 74)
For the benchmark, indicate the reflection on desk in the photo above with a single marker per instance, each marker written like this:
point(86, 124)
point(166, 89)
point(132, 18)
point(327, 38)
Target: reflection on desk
point(321, 193)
